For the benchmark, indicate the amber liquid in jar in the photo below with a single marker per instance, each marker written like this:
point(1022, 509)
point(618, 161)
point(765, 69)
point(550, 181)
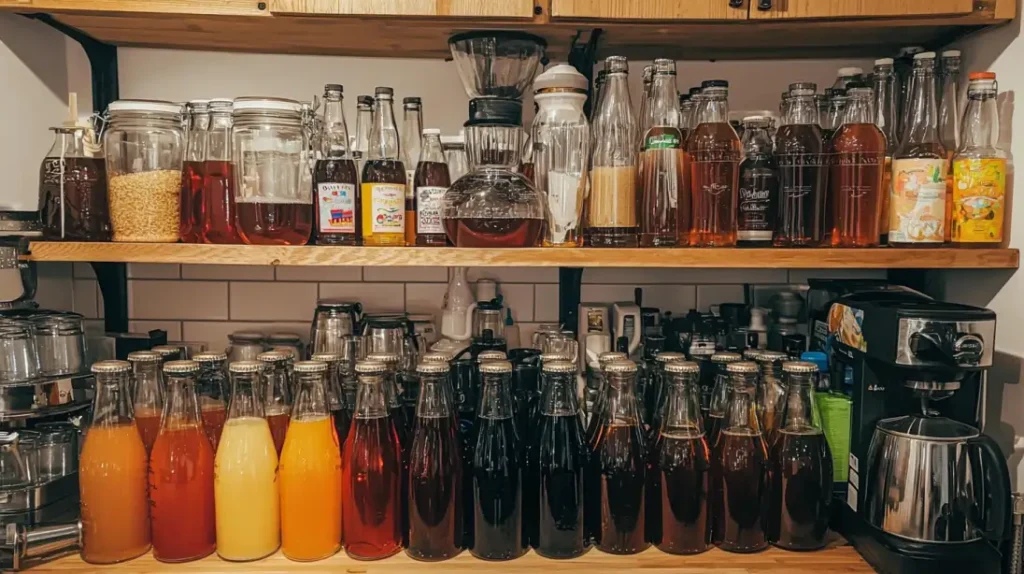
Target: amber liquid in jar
point(715, 155)
point(218, 201)
point(663, 203)
point(274, 222)
point(800, 215)
point(611, 209)
point(857, 185)
point(383, 202)
point(192, 201)
point(430, 183)
point(338, 220)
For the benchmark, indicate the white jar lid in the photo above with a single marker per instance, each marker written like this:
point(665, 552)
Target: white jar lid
point(851, 71)
point(951, 54)
point(157, 106)
point(560, 76)
point(454, 140)
point(925, 56)
point(884, 62)
point(269, 104)
point(431, 132)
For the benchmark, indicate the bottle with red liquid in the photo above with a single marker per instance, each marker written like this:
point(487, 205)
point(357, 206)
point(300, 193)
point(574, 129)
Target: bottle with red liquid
point(719, 394)
point(403, 426)
point(715, 153)
point(799, 150)
point(617, 475)
point(212, 388)
point(181, 474)
point(680, 479)
point(739, 468)
point(341, 416)
point(799, 467)
point(857, 193)
point(218, 196)
point(335, 178)
point(430, 182)
point(148, 394)
point(277, 396)
point(435, 470)
point(192, 172)
point(371, 472)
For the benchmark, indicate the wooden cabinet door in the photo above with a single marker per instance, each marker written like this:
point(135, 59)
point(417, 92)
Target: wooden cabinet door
point(441, 8)
point(649, 9)
point(799, 9)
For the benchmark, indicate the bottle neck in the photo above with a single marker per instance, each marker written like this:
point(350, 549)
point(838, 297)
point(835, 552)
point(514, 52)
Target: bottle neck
point(278, 392)
point(371, 399)
point(311, 400)
point(244, 396)
point(334, 138)
point(664, 102)
point(802, 110)
point(800, 411)
point(182, 408)
point(615, 125)
point(681, 411)
point(383, 133)
point(860, 110)
point(412, 129)
point(558, 397)
point(112, 406)
point(621, 406)
point(434, 400)
point(431, 149)
point(715, 111)
point(922, 124)
point(364, 118)
point(757, 143)
point(495, 397)
point(741, 412)
point(981, 121)
point(885, 103)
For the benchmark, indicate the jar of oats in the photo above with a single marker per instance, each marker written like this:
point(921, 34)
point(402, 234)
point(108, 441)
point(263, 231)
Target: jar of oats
point(144, 142)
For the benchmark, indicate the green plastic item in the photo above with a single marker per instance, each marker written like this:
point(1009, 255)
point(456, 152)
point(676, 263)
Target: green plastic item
point(835, 418)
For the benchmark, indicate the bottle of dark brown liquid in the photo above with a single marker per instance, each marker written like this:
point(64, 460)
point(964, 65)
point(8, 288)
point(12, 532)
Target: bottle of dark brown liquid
point(335, 178)
point(430, 182)
point(384, 178)
point(759, 185)
point(715, 154)
point(663, 192)
point(856, 172)
point(800, 217)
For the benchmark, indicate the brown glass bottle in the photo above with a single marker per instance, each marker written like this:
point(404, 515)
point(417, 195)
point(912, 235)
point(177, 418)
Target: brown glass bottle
point(799, 147)
point(383, 183)
point(856, 173)
point(335, 178)
point(430, 182)
point(715, 155)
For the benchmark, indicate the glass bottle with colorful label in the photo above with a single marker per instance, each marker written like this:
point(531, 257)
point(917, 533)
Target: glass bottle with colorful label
point(335, 177)
point(212, 389)
point(310, 472)
point(245, 485)
point(663, 193)
point(979, 169)
point(383, 182)
point(148, 396)
point(112, 474)
point(430, 181)
point(917, 207)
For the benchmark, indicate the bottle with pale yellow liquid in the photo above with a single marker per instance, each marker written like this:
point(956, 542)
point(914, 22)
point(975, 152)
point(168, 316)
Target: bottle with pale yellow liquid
point(310, 471)
point(245, 474)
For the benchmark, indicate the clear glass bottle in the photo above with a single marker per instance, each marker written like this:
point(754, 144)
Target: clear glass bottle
point(643, 113)
point(212, 389)
point(192, 180)
point(918, 201)
point(656, 388)
point(799, 467)
point(887, 99)
point(412, 128)
point(664, 204)
point(715, 153)
point(836, 108)
point(361, 138)
point(112, 473)
point(949, 121)
point(979, 169)
point(455, 155)
point(598, 386)
point(492, 205)
point(218, 196)
point(430, 182)
point(611, 205)
point(148, 396)
point(277, 394)
point(770, 390)
point(758, 196)
point(739, 467)
point(821, 101)
point(561, 142)
point(799, 146)
point(857, 170)
point(384, 178)
point(718, 398)
point(679, 483)
point(599, 84)
point(73, 188)
point(904, 67)
point(335, 178)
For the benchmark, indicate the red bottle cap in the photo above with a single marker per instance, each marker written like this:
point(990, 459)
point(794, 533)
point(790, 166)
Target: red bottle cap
point(982, 76)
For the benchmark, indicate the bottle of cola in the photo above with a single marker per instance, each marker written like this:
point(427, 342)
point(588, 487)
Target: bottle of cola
point(593, 418)
point(617, 471)
point(770, 391)
point(719, 395)
point(679, 483)
point(656, 390)
point(738, 467)
point(799, 466)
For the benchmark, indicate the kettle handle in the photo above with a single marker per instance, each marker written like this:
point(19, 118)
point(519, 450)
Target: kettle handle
point(995, 476)
point(468, 332)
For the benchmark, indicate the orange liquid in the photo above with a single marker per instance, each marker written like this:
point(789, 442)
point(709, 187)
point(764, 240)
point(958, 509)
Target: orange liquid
point(181, 491)
point(278, 428)
point(113, 489)
point(310, 475)
point(213, 424)
point(148, 421)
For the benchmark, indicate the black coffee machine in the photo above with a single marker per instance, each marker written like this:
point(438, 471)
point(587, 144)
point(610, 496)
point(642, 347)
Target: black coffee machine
point(915, 370)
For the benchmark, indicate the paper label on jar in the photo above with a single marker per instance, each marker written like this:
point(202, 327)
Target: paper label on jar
point(429, 205)
point(387, 207)
point(979, 200)
point(917, 210)
point(337, 203)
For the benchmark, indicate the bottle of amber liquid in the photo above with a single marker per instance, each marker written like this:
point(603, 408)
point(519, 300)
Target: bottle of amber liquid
point(800, 217)
point(412, 129)
point(715, 154)
point(663, 192)
point(759, 185)
point(335, 178)
point(886, 106)
point(611, 206)
point(430, 181)
point(383, 182)
point(918, 201)
point(856, 172)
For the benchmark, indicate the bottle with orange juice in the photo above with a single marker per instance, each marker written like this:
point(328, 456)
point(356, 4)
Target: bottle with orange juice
point(310, 471)
point(245, 473)
point(148, 398)
point(112, 473)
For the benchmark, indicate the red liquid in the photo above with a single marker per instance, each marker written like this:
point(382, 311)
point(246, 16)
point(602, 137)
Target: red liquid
point(616, 479)
point(181, 495)
point(681, 478)
point(739, 489)
point(149, 427)
point(494, 232)
point(218, 201)
point(274, 223)
point(213, 423)
point(278, 428)
point(435, 491)
point(192, 201)
point(371, 475)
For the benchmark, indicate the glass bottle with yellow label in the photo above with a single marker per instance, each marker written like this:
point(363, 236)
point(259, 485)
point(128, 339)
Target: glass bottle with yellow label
point(384, 178)
point(979, 169)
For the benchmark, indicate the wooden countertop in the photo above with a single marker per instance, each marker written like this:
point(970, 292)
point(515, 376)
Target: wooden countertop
point(834, 559)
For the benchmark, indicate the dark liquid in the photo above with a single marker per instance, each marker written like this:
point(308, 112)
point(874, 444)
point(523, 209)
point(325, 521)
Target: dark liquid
point(435, 491)
point(510, 232)
point(681, 483)
point(856, 181)
point(337, 171)
point(713, 424)
point(218, 200)
point(800, 490)
point(739, 489)
point(800, 219)
point(497, 491)
point(278, 429)
point(715, 155)
point(342, 422)
point(462, 374)
point(84, 216)
point(428, 204)
point(192, 182)
point(616, 489)
point(273, 223)
point(664, 204)
point(381, 171)
point(560, 463)
point(371, 470)
point(758, 196)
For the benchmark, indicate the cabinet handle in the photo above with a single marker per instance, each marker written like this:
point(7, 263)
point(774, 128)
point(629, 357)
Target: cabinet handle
point(764, 5)
point(735, 3)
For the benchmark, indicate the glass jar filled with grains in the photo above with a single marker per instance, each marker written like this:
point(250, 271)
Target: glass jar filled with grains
point(144, 142)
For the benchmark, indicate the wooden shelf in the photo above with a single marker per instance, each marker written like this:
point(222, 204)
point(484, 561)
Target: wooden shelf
point(878, 258)
point(837, 559)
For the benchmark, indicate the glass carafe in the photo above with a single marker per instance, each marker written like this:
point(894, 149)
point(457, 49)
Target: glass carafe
point(335, 177)
point(212, 389)
point(192, 213)
point(492, 206)
point(664, 202)
point(73, 188)
point(277, 397)
point(148, 396)
point(979, 169)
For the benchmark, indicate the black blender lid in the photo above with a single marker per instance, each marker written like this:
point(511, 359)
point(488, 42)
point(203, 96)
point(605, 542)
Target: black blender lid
point(495, 111)
point(503, 34)
point(714, 84)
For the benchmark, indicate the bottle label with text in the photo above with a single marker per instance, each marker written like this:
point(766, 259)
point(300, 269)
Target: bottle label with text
point(917, 210)
point(387, 207)
point(979, 200)
point(429, 207)
point(662, 140)
point(337, 207)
